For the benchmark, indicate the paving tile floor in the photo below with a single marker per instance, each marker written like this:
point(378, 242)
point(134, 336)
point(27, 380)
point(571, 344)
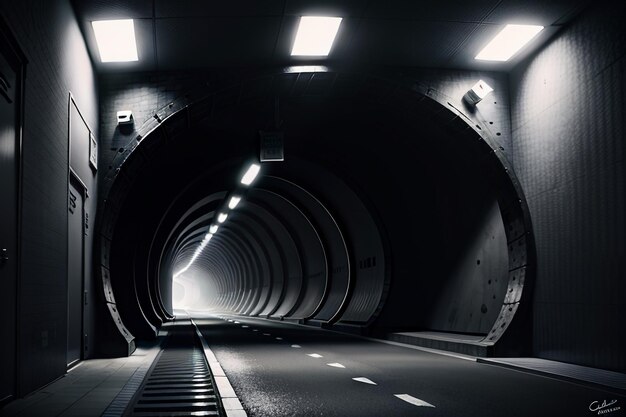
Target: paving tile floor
point(86, 390)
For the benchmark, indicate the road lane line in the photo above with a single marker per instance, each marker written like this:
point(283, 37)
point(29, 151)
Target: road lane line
point(335, 365)
point(364, 380)
point(266, 334)
point(387, 342)
point(244, 327)
point(279, 338)
point(412, 400)
point(314, 355)
point(296, 346)
point(230, 402)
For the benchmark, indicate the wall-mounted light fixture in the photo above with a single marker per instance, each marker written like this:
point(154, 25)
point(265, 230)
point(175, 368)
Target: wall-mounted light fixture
point(124, 117)
point(477, 92)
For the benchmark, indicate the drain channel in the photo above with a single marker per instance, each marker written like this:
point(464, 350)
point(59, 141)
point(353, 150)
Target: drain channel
point(179, 383)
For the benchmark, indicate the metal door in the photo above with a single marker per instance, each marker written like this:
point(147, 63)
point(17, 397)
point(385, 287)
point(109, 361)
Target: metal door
point(75, 273)
point(9, 174)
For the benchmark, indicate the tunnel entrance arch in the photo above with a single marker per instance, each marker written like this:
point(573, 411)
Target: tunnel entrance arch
point(171, 122)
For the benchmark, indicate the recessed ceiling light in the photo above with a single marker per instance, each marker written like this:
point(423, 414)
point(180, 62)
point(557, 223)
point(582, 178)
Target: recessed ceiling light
point(234, 200)
point(213, 229)
point(116, 40)
point(250, 174)
point(222, 217)
point(508, 42)
point(315, 35)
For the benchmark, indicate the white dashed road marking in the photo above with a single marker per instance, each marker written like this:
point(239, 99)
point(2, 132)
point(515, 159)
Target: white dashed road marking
point(266, 334)
point(244, 327)
point(279, 338)
point(255, 330)
point(296, 346)
point(365, 380)
point(412, 400)
point(314, 355)
point(335, 365)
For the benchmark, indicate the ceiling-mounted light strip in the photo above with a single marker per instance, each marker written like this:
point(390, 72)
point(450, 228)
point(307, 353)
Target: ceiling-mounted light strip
point(508, 42)
point(182, 271)
point(247, 179)
point(250, 174)
point(315, 36)
point(116, 40)
point(234, 201)
point(197, 252)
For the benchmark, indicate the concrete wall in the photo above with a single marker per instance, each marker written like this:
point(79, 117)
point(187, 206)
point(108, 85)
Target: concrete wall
point(147, 93)
point(57, 64)
point(568, 125)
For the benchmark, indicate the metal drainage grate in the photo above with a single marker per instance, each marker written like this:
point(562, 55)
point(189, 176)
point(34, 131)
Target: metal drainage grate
point(180, 382)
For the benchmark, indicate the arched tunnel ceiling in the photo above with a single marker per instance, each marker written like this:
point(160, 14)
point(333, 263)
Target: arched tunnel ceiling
point(311, 239)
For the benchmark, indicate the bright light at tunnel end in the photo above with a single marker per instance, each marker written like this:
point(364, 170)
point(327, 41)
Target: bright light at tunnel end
point(250, 174)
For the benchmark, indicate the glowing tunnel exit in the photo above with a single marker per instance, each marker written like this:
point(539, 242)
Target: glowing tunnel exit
point(185, 294)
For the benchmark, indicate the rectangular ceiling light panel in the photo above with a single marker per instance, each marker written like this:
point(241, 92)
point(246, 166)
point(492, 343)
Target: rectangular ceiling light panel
point(315, 35)
point(116, 40)
point(508, 42)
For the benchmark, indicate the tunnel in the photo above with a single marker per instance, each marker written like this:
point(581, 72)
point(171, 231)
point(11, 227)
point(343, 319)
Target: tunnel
point(435, 239)
point(308, 208)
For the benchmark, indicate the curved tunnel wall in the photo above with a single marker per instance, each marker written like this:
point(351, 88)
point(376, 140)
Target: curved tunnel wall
point(312, 255)
point(371, 260)
point(336, 251)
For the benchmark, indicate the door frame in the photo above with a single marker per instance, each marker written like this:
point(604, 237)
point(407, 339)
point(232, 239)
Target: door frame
point(84, 192)
point(16, 55)
point(72, 175)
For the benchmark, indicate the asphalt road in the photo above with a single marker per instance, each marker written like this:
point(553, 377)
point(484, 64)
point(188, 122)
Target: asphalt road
point(280, 369)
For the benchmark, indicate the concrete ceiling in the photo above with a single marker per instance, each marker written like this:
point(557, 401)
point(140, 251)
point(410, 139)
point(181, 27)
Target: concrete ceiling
point(186, 34)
